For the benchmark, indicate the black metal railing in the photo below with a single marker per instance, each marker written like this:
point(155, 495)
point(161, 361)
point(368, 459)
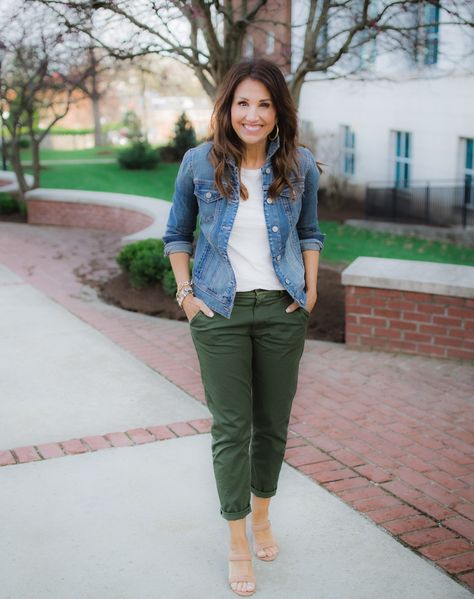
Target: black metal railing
point(435, 203)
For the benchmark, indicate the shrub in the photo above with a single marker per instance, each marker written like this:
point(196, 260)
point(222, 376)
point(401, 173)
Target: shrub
point(140, 155)
point(169, 153)
point(184, 136)
point(144, 261)
point(169, 283)
point(9, 205)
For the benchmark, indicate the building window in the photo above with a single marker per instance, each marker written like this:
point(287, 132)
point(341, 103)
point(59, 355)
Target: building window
point(431, 19)
point(402, 142)
point(270, 47)
point(469, 169)
point(323, 42)
point(365, 40)
point(248, 52)
point(348, 151)
point(426, 35)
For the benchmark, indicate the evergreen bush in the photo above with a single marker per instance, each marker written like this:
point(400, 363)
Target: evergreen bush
point(184, 136)
point(140, 155)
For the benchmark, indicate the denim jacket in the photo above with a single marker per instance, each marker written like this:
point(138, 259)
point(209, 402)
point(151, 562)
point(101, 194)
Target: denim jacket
point(292, 225)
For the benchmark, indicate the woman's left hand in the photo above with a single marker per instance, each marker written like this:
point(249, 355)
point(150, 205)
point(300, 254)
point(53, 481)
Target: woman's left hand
point(311, 298)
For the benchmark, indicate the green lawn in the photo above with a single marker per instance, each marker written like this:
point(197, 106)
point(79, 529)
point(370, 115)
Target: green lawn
point(157, 183)
point(343, 243)
point(104, 152)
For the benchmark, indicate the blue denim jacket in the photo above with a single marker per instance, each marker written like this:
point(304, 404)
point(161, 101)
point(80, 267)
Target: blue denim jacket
point(292, 225)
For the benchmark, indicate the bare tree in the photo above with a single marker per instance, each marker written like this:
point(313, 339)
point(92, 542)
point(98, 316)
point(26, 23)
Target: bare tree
point(92, 75)
point(209, 35)
point(35, 91)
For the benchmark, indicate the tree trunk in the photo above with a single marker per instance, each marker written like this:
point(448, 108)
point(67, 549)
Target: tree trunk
point(36, 162)
point(98, 138)
point(295, 88)
point(18, 169)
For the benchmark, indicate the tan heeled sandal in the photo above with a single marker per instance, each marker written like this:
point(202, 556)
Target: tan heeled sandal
point(235, 556)
point(259, 546)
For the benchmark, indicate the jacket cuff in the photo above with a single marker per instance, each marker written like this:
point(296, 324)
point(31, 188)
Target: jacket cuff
point(178, 246)
point(313, 243)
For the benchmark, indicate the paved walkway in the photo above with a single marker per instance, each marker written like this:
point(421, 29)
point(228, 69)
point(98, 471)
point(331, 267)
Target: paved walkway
point(390, 435)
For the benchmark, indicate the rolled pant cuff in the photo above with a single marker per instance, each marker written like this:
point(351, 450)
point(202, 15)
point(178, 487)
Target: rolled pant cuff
point(236, 515)
point(264, 494)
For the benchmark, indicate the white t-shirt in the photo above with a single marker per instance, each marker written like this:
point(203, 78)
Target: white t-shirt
point(249, 247)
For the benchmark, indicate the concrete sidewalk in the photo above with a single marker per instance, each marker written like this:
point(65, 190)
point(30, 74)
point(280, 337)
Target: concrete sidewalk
point(142, 521)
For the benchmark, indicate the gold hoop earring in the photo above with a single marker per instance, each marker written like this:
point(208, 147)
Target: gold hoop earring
point(276, 134)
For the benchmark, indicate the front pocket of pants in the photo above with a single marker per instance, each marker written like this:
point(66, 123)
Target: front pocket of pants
point(195, 317)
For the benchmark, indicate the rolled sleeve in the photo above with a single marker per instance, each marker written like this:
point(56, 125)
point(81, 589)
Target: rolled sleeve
point(310, 236)
point(182, 217)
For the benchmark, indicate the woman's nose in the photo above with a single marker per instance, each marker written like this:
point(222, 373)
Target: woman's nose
point(252, 114)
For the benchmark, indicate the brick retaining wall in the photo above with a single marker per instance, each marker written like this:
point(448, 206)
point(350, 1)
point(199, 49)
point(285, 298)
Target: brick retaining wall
point(410, 306)
point(421, 323)
point(92, 216)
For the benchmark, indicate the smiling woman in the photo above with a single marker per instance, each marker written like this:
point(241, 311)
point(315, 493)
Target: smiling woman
point(254, 283)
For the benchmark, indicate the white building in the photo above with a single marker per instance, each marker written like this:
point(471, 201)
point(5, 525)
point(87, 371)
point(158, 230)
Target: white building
point(410, 122)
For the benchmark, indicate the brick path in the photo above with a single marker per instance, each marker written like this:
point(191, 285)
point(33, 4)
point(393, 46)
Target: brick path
point(391, 435)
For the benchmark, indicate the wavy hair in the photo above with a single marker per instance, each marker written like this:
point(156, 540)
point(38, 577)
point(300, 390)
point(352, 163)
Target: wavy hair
point(226, 142)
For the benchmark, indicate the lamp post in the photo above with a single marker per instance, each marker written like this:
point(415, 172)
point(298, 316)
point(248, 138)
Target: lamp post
point(3, 51)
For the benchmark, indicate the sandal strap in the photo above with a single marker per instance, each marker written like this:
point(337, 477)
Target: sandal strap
point(260, 546)
point(261, 525)
point(243, 578)
point(238, 557)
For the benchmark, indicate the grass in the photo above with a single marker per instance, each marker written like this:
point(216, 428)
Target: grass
point(157, 183)
point(343, 242)
point(102, 152)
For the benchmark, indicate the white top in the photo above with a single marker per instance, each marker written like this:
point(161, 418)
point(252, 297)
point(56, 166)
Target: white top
point(249, 247)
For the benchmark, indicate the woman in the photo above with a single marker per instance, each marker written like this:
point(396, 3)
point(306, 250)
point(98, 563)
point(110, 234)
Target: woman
point(253, 287)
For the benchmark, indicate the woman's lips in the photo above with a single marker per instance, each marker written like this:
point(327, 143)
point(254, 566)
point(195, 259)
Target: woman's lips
point(252, 128)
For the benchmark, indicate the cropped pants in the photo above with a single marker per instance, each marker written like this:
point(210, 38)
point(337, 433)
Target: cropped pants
point(249, 369)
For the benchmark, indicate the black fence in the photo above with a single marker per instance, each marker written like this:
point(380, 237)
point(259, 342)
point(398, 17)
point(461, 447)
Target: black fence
point(435, 204)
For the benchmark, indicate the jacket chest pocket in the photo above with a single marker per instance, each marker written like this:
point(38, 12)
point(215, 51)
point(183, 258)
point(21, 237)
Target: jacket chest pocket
point(210, 200)
point(292, 203)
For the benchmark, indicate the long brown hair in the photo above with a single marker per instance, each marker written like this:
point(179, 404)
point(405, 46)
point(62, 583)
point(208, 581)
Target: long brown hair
point(228, 144)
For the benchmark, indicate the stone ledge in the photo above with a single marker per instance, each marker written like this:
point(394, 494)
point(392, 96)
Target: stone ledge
point(156, 209)
point(411, 275)
point(12, 185)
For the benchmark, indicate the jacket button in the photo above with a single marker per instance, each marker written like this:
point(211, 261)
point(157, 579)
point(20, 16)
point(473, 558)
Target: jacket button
point(287, 281)
point(269, 201)
point(275, 229)
point(208, 194)
point(278, 257)
point(268, 170)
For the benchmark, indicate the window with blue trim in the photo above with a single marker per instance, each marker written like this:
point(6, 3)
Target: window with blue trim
point(348, 151)
point(469, 169)
point(402, 142)
point(431, 20)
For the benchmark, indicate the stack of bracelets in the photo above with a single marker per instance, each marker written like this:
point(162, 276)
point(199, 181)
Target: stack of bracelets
point(184, 289)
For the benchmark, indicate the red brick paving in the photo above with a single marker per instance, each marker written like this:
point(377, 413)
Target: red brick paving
point(392, 435)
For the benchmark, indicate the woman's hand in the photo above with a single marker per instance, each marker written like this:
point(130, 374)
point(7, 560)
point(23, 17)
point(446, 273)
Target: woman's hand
point(311, 299)
point(192, 305)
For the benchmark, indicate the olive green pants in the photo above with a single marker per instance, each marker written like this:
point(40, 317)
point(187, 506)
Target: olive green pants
point(249, 368)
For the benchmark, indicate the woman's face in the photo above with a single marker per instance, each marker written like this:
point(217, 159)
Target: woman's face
point(253, 114)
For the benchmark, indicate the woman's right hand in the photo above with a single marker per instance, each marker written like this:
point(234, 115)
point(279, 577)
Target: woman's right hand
point(192, 305)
